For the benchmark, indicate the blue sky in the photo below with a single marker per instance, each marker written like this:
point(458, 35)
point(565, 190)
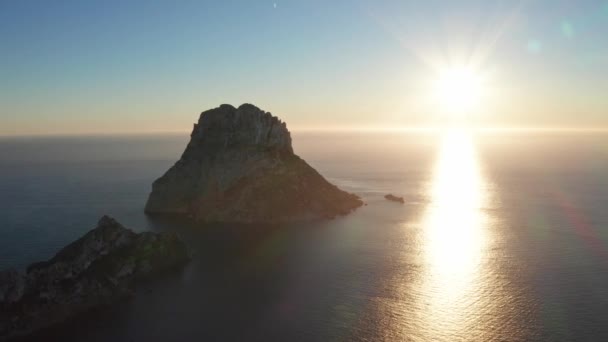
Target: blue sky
point(141, 66)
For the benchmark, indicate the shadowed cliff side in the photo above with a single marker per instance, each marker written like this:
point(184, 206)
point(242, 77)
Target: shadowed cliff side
point(96, 270)
point(240, 167)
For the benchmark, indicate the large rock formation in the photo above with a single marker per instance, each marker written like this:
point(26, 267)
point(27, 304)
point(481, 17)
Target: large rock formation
point(95, 270)
point(240, 167)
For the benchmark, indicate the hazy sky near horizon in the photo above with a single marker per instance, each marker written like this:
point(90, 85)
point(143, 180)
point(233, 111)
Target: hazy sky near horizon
point(140, 66)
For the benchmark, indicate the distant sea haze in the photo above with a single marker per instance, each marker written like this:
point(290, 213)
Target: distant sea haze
point(502, 236)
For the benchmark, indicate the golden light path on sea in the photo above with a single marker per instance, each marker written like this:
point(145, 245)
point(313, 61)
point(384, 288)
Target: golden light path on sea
point(454, 237)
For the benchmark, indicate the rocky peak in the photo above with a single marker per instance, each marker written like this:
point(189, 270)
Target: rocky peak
point(240, 167)
point(246, 127)
point(108, 236)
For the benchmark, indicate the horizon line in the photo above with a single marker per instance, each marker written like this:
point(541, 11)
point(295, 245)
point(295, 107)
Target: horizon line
point(329, 129)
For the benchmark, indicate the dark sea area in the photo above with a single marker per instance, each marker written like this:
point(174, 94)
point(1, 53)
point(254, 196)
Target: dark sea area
point(503, 237)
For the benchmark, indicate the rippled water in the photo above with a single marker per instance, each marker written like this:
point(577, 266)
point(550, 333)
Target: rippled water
point(502, 237)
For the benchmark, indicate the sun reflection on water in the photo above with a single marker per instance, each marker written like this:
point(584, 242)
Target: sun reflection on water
point(454, 238)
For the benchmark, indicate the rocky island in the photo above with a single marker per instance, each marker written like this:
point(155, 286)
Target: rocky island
point(393, 198)
point(98, 269)
point(239, 166)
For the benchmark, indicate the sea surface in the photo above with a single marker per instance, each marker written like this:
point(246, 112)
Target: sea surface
point(503, 237)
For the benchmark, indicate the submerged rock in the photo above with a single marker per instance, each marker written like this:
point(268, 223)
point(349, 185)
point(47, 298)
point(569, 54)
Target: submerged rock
point(240, 167)
point(93, 271)
point(394, 198)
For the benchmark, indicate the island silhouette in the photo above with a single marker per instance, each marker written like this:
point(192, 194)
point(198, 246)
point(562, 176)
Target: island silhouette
point(239, 166)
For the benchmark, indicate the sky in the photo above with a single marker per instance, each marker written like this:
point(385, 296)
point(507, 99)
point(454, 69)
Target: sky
point(141, 66)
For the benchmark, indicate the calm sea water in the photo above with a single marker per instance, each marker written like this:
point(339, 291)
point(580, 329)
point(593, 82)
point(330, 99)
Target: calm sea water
point(502, 237)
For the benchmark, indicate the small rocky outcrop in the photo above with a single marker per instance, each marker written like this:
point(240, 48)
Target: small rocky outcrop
point(240, 167)
point(394, 198)
point(95, 270)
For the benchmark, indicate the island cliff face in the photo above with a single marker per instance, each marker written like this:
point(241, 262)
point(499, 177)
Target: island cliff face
point(240, 167)
point(95, 270)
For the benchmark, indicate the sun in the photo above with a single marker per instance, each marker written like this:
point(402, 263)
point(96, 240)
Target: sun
point(458, 91)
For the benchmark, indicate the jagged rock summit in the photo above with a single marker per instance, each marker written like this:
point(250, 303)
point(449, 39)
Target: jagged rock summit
point(240, 167)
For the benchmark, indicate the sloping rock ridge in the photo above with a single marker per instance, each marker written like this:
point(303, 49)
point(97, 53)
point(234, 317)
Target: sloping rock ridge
point(240, 167)
point(95, 270)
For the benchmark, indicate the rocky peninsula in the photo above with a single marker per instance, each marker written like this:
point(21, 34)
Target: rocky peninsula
point(98, 269)
point(239, 166)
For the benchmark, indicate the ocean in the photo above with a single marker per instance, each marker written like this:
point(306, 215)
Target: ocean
point(503, 237)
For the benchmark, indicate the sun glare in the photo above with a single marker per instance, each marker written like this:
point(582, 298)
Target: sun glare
point(456, 236)
point(458, 91)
